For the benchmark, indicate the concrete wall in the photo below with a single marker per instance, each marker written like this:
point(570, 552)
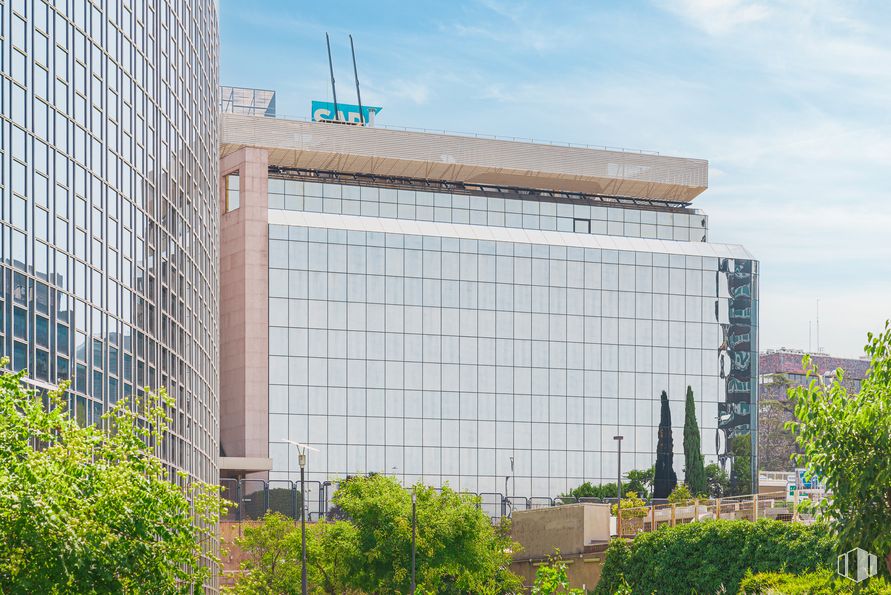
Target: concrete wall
point(570, 529)
point(244, 309)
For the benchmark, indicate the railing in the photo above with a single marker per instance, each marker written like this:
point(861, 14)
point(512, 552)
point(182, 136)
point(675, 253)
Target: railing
point(519, 139)
point(776, 475)
point(642, 519)
point(254, 497)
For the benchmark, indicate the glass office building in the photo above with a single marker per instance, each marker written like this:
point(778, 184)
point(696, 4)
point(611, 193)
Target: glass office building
point(109, 235)
point(445, 331)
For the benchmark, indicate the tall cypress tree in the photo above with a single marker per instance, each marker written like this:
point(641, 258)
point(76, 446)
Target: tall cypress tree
point(694, 466)
point(665, 478)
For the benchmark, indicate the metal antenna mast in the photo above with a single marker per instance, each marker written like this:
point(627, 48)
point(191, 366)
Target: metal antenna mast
point(331, 68)
point(356, 73)
point(819, 349)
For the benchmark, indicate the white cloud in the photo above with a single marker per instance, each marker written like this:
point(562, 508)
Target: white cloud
point(416, 92)
point(717, 17)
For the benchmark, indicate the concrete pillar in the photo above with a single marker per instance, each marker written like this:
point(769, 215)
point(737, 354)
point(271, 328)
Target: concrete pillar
point(244, 308)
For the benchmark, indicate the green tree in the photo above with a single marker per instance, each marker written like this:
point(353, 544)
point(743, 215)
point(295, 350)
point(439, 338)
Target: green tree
point(458, 549)
point(273, 550)
point(552, 578)
point(92, 509)
point(273, 563)
point(640, 481)
point(588, 490)
point(717, 480)
point(846, 442)
point(665, 478)
point(329, 548)
point(741, 465)
point(694, 467)
point(776, 444)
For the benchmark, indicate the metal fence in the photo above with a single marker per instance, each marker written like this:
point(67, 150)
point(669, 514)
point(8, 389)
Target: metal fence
point(254, 497)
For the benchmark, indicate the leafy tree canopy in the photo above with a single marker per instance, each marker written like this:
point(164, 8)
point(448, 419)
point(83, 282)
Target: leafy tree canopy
point(552, 578)
point(846, 442)
point(639, 481)
point(273, 548)
point(717, 480)
point(93, 510)
point(589, 490)
point(458, 548)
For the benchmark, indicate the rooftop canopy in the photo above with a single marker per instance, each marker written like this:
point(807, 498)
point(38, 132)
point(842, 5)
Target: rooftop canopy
point(389, 152)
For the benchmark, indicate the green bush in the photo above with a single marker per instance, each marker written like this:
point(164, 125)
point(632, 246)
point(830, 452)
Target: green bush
point(680, 495)
point(704, 557)
point(821, 582)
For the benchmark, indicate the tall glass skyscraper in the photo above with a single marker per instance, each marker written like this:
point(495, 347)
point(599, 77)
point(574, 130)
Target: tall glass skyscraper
point(463, 310)
point(109, 269)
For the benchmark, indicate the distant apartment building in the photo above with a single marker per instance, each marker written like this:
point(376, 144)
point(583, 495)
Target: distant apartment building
point(780, 370)
point(788, 364)
point(446, 308)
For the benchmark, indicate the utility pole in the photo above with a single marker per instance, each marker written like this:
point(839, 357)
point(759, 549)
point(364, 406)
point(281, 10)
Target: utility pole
point(301, 459)
point(414, 523)
point(618, 440)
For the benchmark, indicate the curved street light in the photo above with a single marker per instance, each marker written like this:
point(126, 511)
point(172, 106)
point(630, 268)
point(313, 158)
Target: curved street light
point(301, 459)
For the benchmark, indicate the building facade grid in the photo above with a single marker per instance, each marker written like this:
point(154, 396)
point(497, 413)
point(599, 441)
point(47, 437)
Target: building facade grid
point(438, 359)
point(531, 213)
point(109, 230)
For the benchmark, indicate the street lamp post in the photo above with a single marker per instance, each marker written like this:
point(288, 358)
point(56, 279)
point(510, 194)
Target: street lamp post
point(301, 459)
point(513, 478)
point(618, 440)
point(323, 498)
point(506, 501)
point(414, 523)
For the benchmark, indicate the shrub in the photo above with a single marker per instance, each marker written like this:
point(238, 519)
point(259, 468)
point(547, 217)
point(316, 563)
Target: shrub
point(632, 506)
point(680, 495)
point(821, 582)
point(552, 578)
point(617, 560)
point(704, 557)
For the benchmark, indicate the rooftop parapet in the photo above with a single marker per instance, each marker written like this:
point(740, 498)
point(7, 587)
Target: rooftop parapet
point(327, 146)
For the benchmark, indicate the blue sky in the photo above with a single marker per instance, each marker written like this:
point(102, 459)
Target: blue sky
point(788, 100)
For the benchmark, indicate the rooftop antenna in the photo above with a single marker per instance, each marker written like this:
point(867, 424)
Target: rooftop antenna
point(331, 68)
point(356, 73)
point(819, 349)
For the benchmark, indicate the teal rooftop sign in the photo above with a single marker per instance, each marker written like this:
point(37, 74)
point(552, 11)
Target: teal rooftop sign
point(323, 111)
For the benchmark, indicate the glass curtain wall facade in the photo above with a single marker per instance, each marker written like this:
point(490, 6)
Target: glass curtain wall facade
point(109, 235)
point(418, 337)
